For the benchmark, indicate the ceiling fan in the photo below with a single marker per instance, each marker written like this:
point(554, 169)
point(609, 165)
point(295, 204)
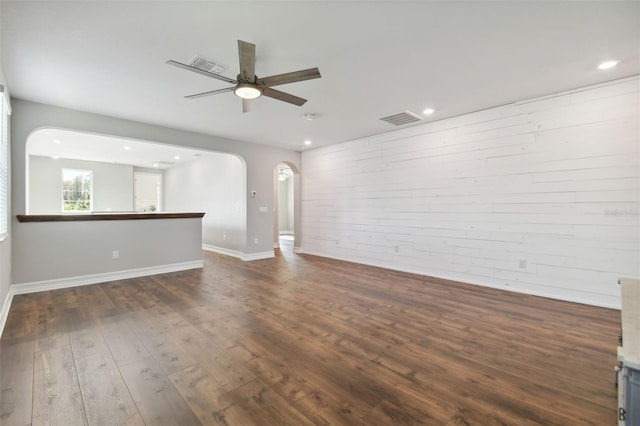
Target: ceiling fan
point(247, 85)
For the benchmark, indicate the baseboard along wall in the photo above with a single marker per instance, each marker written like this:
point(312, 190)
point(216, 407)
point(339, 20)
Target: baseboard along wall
point(59, 283)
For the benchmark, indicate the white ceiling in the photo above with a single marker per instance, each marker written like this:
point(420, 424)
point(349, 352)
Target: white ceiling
point(376, 58)
point(84, 146)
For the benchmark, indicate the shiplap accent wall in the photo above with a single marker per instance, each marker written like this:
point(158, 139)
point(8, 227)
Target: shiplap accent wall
point(540, 197)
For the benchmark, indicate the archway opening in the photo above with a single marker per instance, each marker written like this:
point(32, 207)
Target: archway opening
point(285, 212)
point(184, 179)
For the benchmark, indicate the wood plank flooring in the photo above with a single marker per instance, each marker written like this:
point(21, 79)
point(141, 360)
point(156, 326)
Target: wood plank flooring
point(303, 340)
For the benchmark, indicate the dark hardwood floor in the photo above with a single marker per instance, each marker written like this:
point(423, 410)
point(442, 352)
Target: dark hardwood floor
point(304, 340)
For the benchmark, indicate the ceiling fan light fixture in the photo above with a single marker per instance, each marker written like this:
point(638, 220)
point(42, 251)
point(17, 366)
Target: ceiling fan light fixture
point(247, 91)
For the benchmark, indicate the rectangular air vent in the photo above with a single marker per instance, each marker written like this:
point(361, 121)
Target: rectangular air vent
point(404, 117)
point(206, 64)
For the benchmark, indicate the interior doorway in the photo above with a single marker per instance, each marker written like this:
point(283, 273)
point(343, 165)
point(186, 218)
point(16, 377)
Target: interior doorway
point(284, 224)
point(147, 192)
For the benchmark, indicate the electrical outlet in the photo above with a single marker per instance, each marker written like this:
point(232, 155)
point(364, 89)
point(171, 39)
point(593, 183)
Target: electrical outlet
point(255, 241)
point(115, 255)
point(522, 263)
point(224, 237)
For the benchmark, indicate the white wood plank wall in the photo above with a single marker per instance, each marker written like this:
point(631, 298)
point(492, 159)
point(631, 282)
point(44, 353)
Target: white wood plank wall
point(540, 197)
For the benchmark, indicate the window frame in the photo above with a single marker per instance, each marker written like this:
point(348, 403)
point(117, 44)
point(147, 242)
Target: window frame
point(5, 112)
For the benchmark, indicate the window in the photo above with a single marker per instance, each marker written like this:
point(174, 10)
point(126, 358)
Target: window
point(4, 164)
point(77, 190)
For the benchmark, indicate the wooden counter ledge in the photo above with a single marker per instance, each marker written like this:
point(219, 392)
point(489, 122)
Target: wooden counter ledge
point(103, 216)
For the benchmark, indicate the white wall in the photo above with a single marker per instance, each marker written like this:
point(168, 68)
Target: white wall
point(214, 184)
point(112, 184)
point(67, 252)
point(553, 181)
point(259, 160)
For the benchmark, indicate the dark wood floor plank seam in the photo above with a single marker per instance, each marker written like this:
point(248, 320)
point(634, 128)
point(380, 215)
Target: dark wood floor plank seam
point(118, 367)
point(75, 369)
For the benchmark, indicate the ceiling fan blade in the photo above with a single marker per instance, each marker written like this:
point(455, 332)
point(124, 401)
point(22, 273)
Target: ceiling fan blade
point(211, 92)
point(290, 77)
point(247, 54)
point(199, 71)
point(281, 96)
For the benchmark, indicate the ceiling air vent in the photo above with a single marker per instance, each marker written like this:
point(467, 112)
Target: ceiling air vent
point(205, 64)
point(404, 117)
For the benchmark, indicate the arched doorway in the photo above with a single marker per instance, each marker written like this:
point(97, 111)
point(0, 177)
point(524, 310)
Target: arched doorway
point(184, 179)
point(285, 200)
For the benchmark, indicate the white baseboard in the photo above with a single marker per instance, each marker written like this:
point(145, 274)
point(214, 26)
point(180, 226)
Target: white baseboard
point(298, 250)
point(258, 256)
point(33, 287)
point(478, 283)
point(221, 250)
point(5, 310)
point(239, 255)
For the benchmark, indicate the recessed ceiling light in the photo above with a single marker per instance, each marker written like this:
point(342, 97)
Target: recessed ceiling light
point(307, 142)
point(428, 111)
point(126, 148)
point(55, 157)
point(309, 116)
point(56, 141)
point(156, 164)
point(607, 64)
point(177, 157)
